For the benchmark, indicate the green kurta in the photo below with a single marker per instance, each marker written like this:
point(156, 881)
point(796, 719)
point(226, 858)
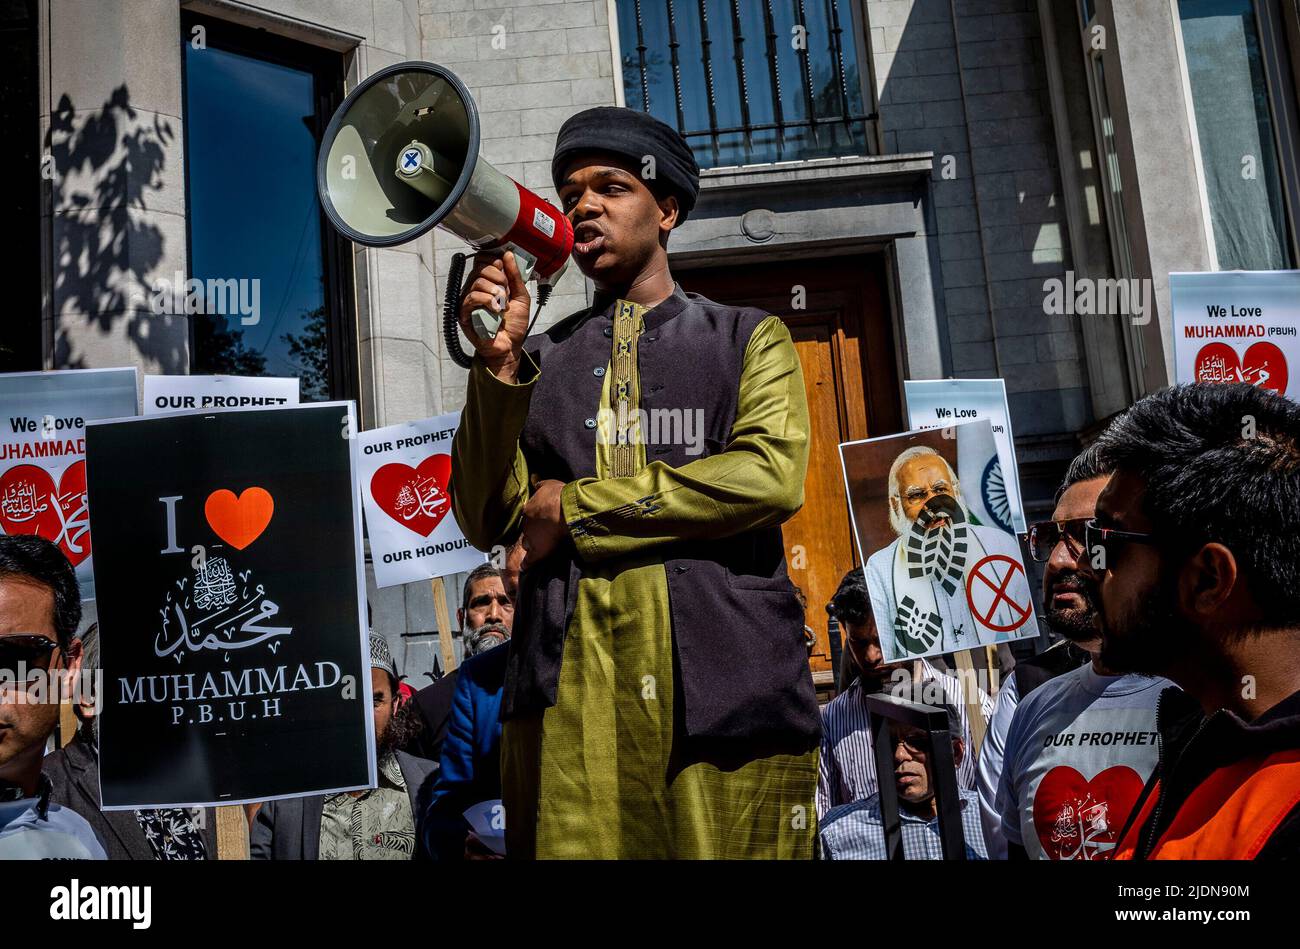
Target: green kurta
point(599, 775)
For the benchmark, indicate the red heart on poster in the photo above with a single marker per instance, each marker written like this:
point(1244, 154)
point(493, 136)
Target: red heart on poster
point(417, 498)
point(1263, 364)
point(29, 504)
point(1217, 362)
point(1078, 819)
point(239, 520)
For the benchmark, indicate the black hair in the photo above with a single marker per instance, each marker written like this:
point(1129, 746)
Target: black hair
point(927, 692)
point(482, 571)
point(851, 603)
point(35, 558)
point(954, 718)
point(1221, 464)
point(405, 728)
point(1086, 466)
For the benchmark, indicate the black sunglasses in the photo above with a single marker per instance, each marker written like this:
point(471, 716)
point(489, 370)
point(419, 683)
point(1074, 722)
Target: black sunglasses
point(1108, 542)
point(1045, 535)
point(28, 652)
point(918, 743)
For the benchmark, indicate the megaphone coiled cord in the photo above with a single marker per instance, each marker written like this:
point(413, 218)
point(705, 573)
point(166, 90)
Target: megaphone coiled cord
point(451, 311)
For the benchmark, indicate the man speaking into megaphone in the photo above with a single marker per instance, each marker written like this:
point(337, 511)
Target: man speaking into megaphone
point(658, 701)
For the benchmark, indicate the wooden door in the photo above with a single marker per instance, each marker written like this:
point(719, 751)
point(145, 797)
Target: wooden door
point(845, 343)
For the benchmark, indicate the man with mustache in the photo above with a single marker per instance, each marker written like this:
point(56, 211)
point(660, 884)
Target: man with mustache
point(1194, 554)
point(376, 824)
point(922, 576)
point(486, 616)
point(658, 701)
point(856, 831)
point(1050, 543)
point(40, 607)
point(1058, 780)
point(470, 757)
point(168, 833)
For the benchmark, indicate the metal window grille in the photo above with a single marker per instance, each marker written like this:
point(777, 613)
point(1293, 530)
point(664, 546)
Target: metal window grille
point(779, 80)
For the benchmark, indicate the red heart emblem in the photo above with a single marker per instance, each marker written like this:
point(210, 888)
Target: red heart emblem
point(1263, 364)
point(29, 504)
point(417, 498)
point(239, 520)
point(1081, 820)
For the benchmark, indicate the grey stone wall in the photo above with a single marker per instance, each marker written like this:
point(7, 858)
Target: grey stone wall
point(962, 90)
point(115, 211)
point(529, 66)
point(972, 89)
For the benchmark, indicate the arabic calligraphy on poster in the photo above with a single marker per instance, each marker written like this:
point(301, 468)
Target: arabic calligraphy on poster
point(1238, 326)
point(43, 451)
point(406, 492)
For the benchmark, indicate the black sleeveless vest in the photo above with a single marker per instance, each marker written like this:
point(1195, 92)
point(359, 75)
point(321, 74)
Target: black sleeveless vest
point(740, 663)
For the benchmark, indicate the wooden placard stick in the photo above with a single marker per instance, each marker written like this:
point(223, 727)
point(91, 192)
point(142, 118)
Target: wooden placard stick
point(974, 710)
point(991, 659)
point(443, 616)
point(232, 832)
point(68, 723)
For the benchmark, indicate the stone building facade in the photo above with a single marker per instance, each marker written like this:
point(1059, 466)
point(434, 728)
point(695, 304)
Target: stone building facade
point(1005, 143)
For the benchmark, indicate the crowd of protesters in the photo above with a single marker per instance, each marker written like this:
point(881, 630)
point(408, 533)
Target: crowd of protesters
point(1164, 724)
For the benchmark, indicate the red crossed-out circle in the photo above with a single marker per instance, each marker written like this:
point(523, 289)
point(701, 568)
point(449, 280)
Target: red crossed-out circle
point(999, 593)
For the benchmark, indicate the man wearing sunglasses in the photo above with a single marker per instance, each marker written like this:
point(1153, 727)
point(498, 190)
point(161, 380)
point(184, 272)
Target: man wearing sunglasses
point(40, 607)
point(152, 834)
point(1195, 556)
point(856, 831)
point(1071, 742)
point(1056, 545)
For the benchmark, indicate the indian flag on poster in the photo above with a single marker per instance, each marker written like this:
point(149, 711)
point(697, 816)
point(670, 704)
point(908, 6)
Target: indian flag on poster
point(946, 403)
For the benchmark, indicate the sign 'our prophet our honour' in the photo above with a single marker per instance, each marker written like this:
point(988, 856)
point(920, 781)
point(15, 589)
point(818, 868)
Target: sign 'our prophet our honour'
point(231, 607)
point(406, 489)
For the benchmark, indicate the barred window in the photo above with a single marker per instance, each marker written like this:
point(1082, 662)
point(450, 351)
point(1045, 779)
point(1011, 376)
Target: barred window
point(749, 81)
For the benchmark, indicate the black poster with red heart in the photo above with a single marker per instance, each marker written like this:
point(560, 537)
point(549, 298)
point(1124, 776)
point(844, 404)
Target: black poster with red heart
point(231, 601)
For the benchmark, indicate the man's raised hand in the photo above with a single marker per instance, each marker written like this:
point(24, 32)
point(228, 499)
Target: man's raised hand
point(496, 285)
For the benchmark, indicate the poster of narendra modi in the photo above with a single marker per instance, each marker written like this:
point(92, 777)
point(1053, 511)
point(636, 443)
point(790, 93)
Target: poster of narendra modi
point(942, 575)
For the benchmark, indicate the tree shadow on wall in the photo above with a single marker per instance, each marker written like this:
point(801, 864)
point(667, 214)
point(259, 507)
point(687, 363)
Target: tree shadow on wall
point(106, 166)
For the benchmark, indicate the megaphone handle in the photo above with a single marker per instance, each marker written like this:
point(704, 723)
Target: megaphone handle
point(487, 323)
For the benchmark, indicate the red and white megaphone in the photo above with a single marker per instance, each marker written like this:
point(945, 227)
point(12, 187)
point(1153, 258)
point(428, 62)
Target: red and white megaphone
point(401, 156)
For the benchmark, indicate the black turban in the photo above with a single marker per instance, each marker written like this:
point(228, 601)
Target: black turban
point(633, 134)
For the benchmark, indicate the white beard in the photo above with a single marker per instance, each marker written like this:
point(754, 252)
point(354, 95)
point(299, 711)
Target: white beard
point(901, 525)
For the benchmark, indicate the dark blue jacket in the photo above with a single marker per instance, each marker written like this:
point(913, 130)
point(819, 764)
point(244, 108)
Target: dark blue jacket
point(471, 754)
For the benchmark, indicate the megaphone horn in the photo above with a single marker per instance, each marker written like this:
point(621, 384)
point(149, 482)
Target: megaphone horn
point(401, 156)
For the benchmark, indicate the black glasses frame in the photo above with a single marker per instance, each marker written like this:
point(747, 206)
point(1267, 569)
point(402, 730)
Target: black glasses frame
point(1059, 529)
point(33, 651)
point(1110, 540)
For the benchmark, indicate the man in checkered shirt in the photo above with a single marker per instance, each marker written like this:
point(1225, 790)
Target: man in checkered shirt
point(856, 831)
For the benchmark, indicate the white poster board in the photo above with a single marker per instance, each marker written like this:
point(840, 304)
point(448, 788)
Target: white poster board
point(938, 581)
point(1238, 326)
point(43, 419)
point(164, 394)
point(941, 403)
point(405, 490)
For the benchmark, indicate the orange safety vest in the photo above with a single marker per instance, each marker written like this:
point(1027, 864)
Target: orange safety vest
point(1229, 816)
